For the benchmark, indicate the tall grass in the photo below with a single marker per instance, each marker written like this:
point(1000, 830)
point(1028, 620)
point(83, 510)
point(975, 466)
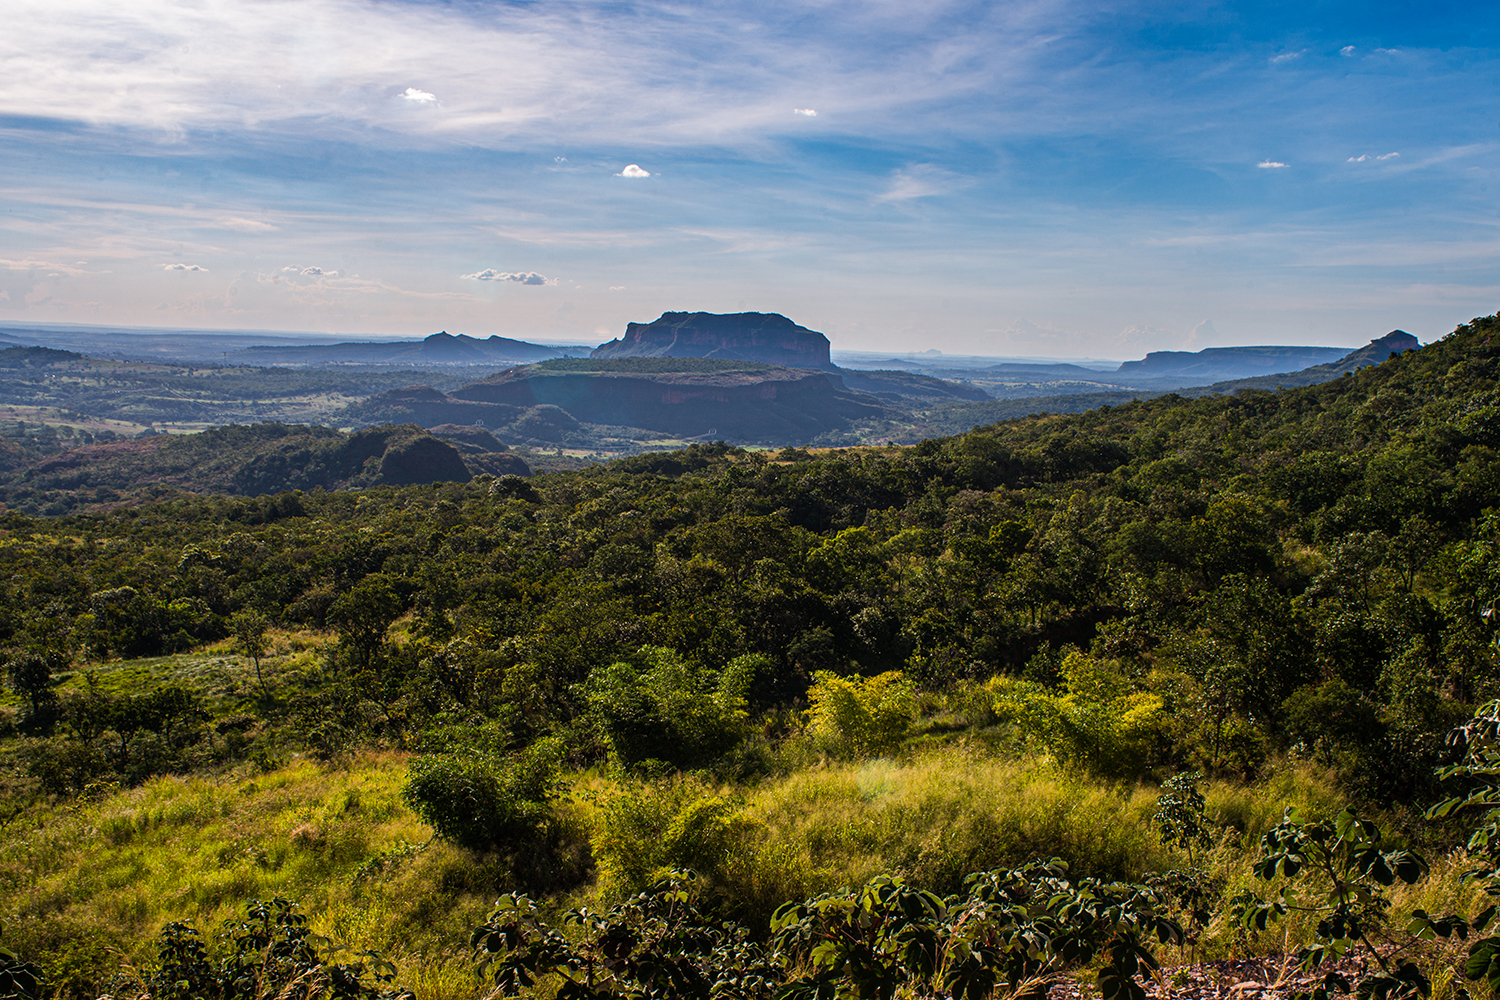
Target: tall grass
point(86, 887)
point(94, 882)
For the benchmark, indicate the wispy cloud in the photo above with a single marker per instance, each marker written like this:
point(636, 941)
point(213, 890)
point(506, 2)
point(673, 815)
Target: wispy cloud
point(633, 170)
point(805, 112)
point(245, 225)
point(923, 180)
point(418, 96)
point(183, 267)
point(1271, 165)
point(1286, 57)
point(519, 277)
point(1366, 156)
point(1347, 50)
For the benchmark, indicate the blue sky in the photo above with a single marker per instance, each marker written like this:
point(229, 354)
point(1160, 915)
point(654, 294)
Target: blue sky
point(1047, 178)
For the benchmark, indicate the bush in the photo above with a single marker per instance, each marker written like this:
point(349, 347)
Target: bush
point(860, 717)
point(670, 710)
point(1099, 723)
point(482, 802)
point(272, 952)
point(645, 831)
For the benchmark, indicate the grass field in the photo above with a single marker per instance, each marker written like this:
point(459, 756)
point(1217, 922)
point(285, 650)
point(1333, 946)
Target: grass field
point(90, 883)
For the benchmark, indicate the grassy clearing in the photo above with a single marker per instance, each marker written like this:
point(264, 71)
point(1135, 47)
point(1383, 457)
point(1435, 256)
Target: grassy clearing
point(94, 881)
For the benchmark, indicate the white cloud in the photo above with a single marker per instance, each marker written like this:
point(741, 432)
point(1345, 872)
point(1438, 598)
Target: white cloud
point(1286, 57)
point(315, 272)
point(633, 171)
point(519, 277)
point(418, 96)
point(559, 159)
point(183, 267)
point(1360, 158)
point(617, 288)
point(1202, 335)
point(240, 225)
point(1366, 156)
point(1347, 50)
point(1270, 165)
point(807, 112)
point(922, 180)
point(1387, 156)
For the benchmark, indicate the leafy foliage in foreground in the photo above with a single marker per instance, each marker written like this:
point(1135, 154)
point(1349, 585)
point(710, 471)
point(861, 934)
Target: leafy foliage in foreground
point(1023, 929)
point(269, 953)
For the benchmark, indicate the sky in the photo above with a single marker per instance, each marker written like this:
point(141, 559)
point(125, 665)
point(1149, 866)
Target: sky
point(1048, 178)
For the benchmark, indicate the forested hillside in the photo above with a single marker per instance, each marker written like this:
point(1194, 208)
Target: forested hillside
point(604, 675)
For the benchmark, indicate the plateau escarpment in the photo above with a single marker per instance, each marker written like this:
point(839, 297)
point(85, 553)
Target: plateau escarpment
point(751, 336)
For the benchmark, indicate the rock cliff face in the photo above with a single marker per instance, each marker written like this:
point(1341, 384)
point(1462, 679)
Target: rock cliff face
point(767, 337)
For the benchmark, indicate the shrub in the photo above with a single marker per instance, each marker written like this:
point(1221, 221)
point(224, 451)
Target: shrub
point(662, 943)
point(645, 831)
point(480, 802)
point(667, 709)
point(1098, 723)
point(859, 717)
point(272, 952)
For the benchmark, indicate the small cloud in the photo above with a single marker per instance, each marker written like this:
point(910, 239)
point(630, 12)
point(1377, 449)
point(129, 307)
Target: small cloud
point(1286, 57)
point(314, 272)
point(1203, 333)
point(1389, 52)
point(519, 277)
point(617, 288)
point(922, 180)
point(1271, 165)
point(418, 96)
point(245, 225)
point(559, 159)
point(1387, 156)
point(806, 112)
point(1347, 50)
point(183, 267)
point(633, 171)
point(1360, 158)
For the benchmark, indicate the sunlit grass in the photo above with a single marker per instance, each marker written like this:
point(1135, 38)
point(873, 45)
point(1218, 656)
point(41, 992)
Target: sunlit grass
point(103, 877)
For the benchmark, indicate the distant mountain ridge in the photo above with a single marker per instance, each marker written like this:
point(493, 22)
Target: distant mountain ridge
point(689, 397)
point(748, 336)
point(1229, 362)
point(441, 348)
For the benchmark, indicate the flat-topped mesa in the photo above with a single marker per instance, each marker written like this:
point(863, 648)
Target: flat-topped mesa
point(750, 336)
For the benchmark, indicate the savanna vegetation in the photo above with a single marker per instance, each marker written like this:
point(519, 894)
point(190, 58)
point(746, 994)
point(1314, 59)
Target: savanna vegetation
point(960, 718)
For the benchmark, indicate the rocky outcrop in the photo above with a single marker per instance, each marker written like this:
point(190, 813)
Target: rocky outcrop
point(1395, 342)
point(767, 337)
point(469, 440)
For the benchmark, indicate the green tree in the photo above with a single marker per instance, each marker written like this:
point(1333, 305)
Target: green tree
point(250, 634)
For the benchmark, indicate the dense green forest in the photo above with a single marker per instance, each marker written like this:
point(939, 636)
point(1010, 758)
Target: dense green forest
point(585, 681)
